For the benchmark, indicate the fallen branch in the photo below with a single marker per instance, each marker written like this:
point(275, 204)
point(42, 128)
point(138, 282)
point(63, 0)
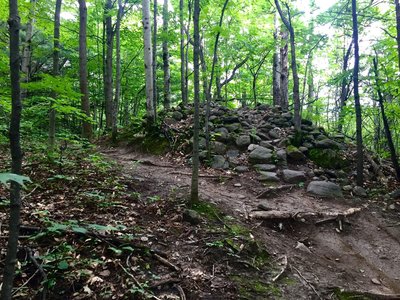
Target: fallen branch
point(166, 262)
point(200, 175)
point(367, 294)
point(278, 214)
point(181, 292)
point(40, 269)
point(309, 283)
point(284, 267)
point(164, 282)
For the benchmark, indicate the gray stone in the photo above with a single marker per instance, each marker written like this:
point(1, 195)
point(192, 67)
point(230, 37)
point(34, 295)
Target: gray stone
point(266, 144)
point(203, 155)
point(230, 119)
point(395, 194)
point(177, 115)
point(218, 147)
point(303, 149)
point(268, 176)
point(192, 216)
point(243, 141)
point(251, 147)
point(265, 167)
point(242, 169)
point(260, 155)
point(202, 143)
point(292, 176)
point(295, 154)
point(274, 133)
point(359, 191)
point(232, 153)
point(282, 157)
point(324, 189)
point(347, 188)
point(287, 115)
point(262, 135)
point(233, 127)
point(327, 144)
point(219, 162)
point(221, 134)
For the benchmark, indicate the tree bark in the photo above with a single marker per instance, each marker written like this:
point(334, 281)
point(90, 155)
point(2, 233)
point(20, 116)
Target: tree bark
point(386, 127)
point(167, 74)
point(108, 83)
point(397, 4)
point(83, 72)
point(148, 63)
point(296, 84)
point(56, 71)
point(182, 53)
point(284, 73)
point(194, 194)
point(16, 152)
point(155, 30)
point(359, 138)
point(117, 95)
point(275, 67)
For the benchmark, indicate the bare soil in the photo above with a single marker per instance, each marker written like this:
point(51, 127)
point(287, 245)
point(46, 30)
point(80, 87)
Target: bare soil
point(358, 258)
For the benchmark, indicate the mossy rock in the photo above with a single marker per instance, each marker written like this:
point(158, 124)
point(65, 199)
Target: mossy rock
point(328, 158)
point(153, 144)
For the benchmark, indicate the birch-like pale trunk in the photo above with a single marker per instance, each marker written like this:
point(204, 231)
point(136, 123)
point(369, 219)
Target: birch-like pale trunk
point(166, 69)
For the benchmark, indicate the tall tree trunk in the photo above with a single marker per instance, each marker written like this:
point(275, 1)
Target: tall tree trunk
point(117, 95)
point(204, 74)
point(16, 153)
point(344, 88)
point(148, 63)
point(388, 133)
point(275, 67)
point(155, 30)
point(56, 71)
point(108, 83)
point(360, 155)
point(182, 53)
point(190, 2)
point(167, 74)
point(284, 72)
point(397, 4)
point(296, 84)
point(83, 72)
point(194, 194)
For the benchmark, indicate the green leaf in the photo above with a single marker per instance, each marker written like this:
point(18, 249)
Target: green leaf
point(5, 177)
point(79, 229)
point(63, 265)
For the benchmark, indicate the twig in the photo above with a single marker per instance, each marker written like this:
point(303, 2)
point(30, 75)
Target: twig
point(40, 269)
point(166, 262)
point(285, 263)
point(30, 193)
point(25, 283)
point(164, 281)
point(201, 175)
point(181, 292)
point(309, 283)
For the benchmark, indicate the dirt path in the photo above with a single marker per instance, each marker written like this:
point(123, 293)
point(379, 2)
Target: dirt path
point(363, 257)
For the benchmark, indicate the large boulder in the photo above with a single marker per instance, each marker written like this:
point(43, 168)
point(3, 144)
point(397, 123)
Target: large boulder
point(328, 158)
point(268, 176)
point(221, 134)
point(295, 155)
point(292, 176)
point(260, 155)
point(328, 144)
point(243, 141)
point(219, 162)
point(218, 147)
point(325, 189)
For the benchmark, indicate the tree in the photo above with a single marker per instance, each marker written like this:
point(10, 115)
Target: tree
point(296, 87)
point(148, 63)
point(16, 152)
point(56, 71)
point(182, 53)
point(108, 74)
point(167, 74)
point(155, 30)
point(275, 68)
point(194, 194)
point(357, 106)
point(83, 71)
point(397, 8)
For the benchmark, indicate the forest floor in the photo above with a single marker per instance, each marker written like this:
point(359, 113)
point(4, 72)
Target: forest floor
point(116, 226)
point(320, 261)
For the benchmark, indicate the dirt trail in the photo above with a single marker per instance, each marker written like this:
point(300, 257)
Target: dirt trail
point(364, 257)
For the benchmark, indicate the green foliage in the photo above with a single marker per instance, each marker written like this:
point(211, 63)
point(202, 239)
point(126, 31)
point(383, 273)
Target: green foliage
point(6, 177)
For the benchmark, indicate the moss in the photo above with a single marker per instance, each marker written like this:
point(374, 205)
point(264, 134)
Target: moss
point(328, 158)
point(297, 139)
point(250, 288)
point(346, 295)
point(153, 144)
point(206, 209)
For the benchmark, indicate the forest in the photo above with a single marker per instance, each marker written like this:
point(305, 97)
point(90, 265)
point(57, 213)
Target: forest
point(199, 149)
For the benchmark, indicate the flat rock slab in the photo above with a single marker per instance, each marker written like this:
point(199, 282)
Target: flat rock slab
point(324, 189)
point(268, 176)
point(265, 167)
point(260, 155)
point(292, 176)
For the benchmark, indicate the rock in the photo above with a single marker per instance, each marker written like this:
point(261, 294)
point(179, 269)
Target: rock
point(327, 158)
point(282, 157)
point(260, 155)
point(251, 147)
point(192, 216)
point(262, 135)
point(303, 149)
point(347, 188)
point(359, 191)
point(274, 133)
point(292, 176)
point(219, 162)
point(324, 189)
point(287, 115)
point(266, 144)
point(237, 185)
point(243, 141)
point(294, 154)
point(328, 144)
point(242, 169)
point(265, 167)
point(203, 155)
point(262, 107)
point(218, 147)
point(395, 194)
point(392, 206)
point(177, 115)
point(221, 134)
point(306, 122)
point(268, 176)
point(230, 119)
point(233, 127)
point(202, 143)
point(232, 153)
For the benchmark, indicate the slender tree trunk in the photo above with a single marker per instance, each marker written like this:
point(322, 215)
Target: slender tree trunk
point(148, 63)
point(397, 4)
point(182, 53)
point(117, 71)
point(83, 72)
point(56, 62)
point(284, 72)
point(167, 74)
point(194, 195)
point(360, 155)
point(388, 133)
point(204, 75)
point(16, 152)
point(275, 67)
point(296, 84)
point(155, 30)
point(187, 49)
point(344, 88)
point(108, 83)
